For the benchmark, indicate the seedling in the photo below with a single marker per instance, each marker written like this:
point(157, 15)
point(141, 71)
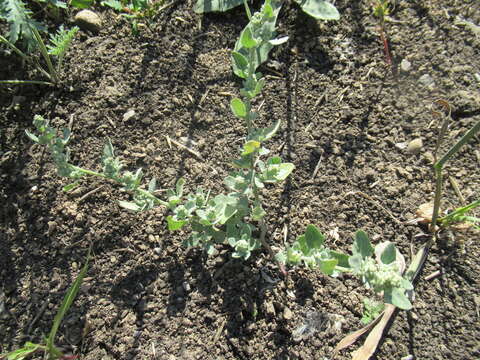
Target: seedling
point(224, 218)
point(382, 9)
point(48, 347)
point(135, 10)
point(371, 310)
point(379, 268)
point(460, 213)
point(112, 166)
point(59, 44)
point(318, 9)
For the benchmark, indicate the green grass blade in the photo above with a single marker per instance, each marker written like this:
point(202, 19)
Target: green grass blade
point(67, 302)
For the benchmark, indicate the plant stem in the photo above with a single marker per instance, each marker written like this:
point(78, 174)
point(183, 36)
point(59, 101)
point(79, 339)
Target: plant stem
point(438, 167)
point(46, 56)
point(27, 82)
point(247, 10)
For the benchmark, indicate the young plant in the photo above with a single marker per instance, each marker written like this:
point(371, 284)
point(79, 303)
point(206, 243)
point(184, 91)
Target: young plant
point(135, 10)
point(58, 46)
point(318, 9)
point(225, 218)
point(381, 9)
point(112, 166)
point(48, 347)
point(460, 213)
point(371, 310)
point(379, 268)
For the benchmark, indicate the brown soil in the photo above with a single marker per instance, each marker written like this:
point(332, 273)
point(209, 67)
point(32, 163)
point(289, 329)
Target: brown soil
point(342, 107)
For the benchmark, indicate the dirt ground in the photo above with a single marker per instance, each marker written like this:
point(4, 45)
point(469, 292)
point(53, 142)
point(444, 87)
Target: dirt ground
point(343, 111)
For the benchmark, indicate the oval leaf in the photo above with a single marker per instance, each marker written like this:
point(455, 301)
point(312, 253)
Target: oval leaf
point(320, 9)
point(238, 108)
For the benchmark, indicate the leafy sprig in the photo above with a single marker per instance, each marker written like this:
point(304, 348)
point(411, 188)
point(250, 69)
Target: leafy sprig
point(112, 166)
point(379, 268)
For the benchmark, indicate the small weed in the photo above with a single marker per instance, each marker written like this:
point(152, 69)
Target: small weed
point(49, 348)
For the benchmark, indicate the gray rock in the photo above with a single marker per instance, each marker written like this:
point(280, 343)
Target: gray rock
point(128, 115)
point(426, 80)
point(88, 20)
point(415, 146)
point(405, 65)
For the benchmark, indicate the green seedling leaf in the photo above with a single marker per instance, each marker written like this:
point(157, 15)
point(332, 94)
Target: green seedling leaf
point(31, 136)
point(246, 39)
point(355, 262)
point(22, 353)
point(265, 134)
point(70, 187)
point(258, 213)
point(203, 6)
point(362, 245)
point(389, 254)
point(342, 259)
point(67, 302)
point(328, 266)
point(129, 205)
point(152, 185)
point(397, 297)
point(250, 147)
point(82, 4)
point(114, 4)
point(240, 63)
point(175, 224)
point(238, 108)
point(319, 9)
point(314, 237)
point(179, 187)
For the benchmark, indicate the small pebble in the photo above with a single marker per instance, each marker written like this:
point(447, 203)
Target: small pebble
point(405, 65)
point(415, 146)
point(287, 314)
point(88, 20)
point(426, 80)
point(128, 115)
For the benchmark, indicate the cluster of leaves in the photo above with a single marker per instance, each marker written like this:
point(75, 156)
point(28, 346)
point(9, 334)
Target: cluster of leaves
point(226, 218)
point(318, 9)
point(21, 23)
point(112, 166)
point(379, 268)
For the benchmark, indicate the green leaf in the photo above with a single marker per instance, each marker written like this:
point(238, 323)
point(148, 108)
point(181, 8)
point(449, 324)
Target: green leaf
point(362, 245)
point(397, 297)
point(238, 108)
point(179, 187)
point(342, 259)
point(82, 4)
point(67, 302)
point(203, 6)
point(389, 254)
point(31, 136)
point(314, 237)
point(258, 213)
point(328, 266)
point(266, 133)
point(129, 205)
point(152, 185)
point(22, 353)
point(246, 39)
point(250, 147)
point(114, 4)
point(319, 9)
point(240, 63)
point(175, 224)
point(355, 262)
point(301, 245)
point(70, 187)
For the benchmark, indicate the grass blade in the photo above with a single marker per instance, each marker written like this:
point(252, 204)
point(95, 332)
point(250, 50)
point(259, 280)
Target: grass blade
point(67, 302)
